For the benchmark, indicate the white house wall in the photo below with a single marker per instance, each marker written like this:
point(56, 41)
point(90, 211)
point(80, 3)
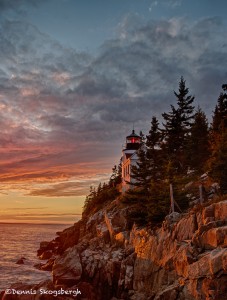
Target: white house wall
point(126, 171)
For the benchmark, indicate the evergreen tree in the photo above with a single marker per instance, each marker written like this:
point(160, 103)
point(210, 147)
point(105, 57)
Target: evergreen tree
point(184, 102)
point(158, 204)
point(218, 160)
point(216, 121)
point(115, 177)
point(153, 150)
point(219, 163)
point(104, 193)
point(173, 132)
point(153, 139)
point(197, 147)
point(88, 203)
point(176, 129)
point(219, 121)
point(140, 172)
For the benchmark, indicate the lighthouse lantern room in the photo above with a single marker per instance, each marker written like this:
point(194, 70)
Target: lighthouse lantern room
point(133, 141)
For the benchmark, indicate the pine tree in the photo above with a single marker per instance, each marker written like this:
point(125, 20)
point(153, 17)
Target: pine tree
point(219, 163)
point(153, 150)
point(197, 146)
point(219, 121)
point(173, 132)
point(115, 177)
point(216, 121)
point(218, 124)
point(184, 102)
point(140, 172)
point(158, 203)
point(176, 129)
point(218, 160)
point(153, 139)
point(88, 203)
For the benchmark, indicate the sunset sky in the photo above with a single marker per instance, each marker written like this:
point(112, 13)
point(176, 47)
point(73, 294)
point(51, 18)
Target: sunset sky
point(76, 74)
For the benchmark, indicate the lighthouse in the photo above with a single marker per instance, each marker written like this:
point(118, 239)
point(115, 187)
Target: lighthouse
point(129, 159)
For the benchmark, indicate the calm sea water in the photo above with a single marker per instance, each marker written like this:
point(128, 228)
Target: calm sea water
point(22, 240)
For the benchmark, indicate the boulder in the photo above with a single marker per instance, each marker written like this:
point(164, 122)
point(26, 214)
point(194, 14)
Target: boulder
point(173, 218)
point(182, 260)
point(20, 261)
point(68, 237)
point(46, 255)
point(220, 212)
point(185, 228)
point(206, 288)
point(95, 219)
point(67, 269)
point(208, 214)
point(169, 293)
point(46, 246)
point(37, 266)
point(116, 222)
point(214, 237)
point(122, 238)
point(209, 264)
point(103, 232)
point(48, 265)
point(88, 292)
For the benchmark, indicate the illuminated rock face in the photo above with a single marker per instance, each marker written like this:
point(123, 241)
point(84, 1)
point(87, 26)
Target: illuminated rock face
point(184, 259)
point(67, 269)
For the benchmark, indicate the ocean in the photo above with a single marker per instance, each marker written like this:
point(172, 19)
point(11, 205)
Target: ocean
point(22, 240)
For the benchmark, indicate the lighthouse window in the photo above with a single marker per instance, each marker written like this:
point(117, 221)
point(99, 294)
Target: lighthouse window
point(133, 140)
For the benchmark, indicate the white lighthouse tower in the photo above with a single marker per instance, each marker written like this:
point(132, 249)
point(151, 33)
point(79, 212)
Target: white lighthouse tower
point(129, 159)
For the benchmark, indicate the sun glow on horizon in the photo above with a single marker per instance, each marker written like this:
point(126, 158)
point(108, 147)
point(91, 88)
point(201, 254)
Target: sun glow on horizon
point(16, 208)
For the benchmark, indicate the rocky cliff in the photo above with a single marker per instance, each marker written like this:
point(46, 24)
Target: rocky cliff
point(105, 258)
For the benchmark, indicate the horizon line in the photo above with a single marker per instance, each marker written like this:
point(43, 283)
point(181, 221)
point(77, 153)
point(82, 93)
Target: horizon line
point(29, 223)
